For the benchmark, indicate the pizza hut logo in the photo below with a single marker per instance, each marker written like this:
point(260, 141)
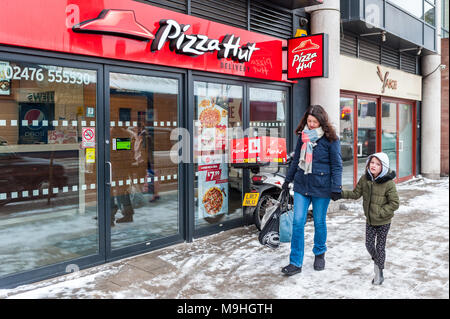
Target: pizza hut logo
point(304, 59)
point(305, 46)
point(120, 23)
point(123, 23)
point(308, 56)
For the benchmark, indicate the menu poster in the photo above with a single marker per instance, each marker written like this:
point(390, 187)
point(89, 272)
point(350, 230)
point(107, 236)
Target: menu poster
point(213, 123)
point(5, 82)
point(212, 186)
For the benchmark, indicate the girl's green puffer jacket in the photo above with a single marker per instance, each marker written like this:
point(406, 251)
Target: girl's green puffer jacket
point(380, 197)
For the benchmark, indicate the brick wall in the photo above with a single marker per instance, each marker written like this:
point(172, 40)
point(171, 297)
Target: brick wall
point(444, 109)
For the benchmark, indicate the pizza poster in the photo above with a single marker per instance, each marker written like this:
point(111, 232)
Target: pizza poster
point(212, 125)
point(212, 179)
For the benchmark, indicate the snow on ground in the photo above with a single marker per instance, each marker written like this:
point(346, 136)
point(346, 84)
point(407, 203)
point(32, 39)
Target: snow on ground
point(233, 264)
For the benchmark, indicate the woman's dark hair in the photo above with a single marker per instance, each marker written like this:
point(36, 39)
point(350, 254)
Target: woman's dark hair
point(322, 116)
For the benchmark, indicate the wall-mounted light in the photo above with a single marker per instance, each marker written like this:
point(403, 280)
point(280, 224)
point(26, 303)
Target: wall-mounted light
point(418, 52)
point(382, 33)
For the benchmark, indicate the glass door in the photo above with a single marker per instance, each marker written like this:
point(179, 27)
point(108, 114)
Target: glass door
point(143, 197)
point(367, 132)
point(389, 132)
point(346, 119)
point(405, 140)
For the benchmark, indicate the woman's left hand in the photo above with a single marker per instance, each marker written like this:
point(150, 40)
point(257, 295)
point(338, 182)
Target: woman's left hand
point(336, 196)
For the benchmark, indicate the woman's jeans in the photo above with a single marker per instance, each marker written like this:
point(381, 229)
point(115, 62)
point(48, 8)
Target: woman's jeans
point(301, 205)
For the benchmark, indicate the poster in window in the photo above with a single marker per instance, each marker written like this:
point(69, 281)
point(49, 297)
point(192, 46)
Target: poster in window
point(35, 122)
point(210, 146)
point(212, 186)
point(212, 125)
point(5, 83)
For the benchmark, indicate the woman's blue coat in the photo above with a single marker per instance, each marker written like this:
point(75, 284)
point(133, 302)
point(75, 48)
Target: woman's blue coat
point(326, 176)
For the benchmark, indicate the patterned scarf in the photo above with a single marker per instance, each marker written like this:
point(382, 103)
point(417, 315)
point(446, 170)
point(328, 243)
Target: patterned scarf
point(309, 139)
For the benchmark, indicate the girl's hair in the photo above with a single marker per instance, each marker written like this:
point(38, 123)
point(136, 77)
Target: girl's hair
point(322, 116)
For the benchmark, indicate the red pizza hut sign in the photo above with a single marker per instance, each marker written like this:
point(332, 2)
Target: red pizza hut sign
point(308, 57)
point(136, 31)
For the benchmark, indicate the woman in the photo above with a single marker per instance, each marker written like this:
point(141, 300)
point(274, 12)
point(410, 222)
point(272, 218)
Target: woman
point(316, 170)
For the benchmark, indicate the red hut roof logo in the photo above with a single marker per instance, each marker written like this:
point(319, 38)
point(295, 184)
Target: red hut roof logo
point(306, 45)
point(115, 22)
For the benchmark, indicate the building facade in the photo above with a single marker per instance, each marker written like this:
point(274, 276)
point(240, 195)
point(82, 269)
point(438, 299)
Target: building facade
point(390, 94)
point(97, 98)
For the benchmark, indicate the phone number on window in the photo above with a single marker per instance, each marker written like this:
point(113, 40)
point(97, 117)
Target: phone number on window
point(35, 74)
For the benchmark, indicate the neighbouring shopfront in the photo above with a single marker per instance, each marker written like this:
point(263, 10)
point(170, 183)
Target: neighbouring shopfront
point(378, 113)
point(95, 100)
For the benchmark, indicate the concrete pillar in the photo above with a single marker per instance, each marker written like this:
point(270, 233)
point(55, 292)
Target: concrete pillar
point(325, 18)
point(431, 107)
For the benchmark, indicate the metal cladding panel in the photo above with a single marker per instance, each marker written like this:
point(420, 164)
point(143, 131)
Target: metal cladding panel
point(409, 63)
point(175, 5)
point(369, 51)
point(390, 57)
point(270, 20)
point(349, 45)
point(231, 12)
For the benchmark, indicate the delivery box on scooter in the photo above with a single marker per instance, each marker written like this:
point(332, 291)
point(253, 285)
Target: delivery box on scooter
point(261, 149)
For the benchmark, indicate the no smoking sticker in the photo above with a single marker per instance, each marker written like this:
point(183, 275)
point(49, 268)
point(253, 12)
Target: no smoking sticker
point(88, 137)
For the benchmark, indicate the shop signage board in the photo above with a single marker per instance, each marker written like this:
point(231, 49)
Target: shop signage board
point(136, 31)
point(367, 77)
point(308, 56)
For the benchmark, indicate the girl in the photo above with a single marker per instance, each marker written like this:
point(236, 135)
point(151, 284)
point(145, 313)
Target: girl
point(380, 200)
point(316, 170)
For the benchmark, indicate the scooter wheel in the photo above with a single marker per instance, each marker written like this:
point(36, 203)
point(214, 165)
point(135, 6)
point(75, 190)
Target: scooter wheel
point(260, 210)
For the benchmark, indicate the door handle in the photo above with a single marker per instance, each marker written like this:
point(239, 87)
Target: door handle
point(110, 173)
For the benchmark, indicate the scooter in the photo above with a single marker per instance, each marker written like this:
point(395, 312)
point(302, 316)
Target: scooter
point(268, 185)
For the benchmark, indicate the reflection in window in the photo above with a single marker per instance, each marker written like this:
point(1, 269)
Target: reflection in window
point(429, 15)
point(48, 165)
point(366, 132)
point(445, 17)
point(144, 191)
point(389, 133)
point(405, 140)
point(412, 6)
point(268, 117)
point(267, 112)
point(346, 139)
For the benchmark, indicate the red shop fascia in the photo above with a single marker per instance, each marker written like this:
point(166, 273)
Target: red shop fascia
point(134, 31)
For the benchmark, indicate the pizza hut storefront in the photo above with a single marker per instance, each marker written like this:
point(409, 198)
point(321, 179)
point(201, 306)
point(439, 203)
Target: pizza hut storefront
point(95, 100)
